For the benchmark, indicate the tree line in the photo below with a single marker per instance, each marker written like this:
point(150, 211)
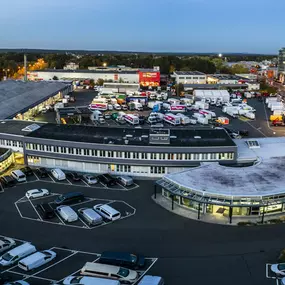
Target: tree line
point(168, 63)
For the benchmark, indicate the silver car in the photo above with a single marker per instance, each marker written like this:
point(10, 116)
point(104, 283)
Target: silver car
point(90, 179)
point(90, 216)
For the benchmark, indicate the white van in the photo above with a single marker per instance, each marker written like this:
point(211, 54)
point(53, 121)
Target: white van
point(89, 280)
point(58, 174)
point(107, 212)
point(36, 260)
point(109, 271)
point(125, 180)
point(19, 175)
point(67, 213)
point(151, 280)
point(17, 253)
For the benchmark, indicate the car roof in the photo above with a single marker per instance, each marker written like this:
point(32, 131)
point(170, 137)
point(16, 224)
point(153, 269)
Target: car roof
point(33, 257)
point(20, 248)
point(102, 267)
point(109, 209)
point(72, 194)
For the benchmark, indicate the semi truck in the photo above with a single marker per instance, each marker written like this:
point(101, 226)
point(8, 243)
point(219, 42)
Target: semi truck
point(172, 119)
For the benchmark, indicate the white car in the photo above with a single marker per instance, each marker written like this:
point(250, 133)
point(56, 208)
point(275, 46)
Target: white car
point(36, 260)
point(278, 268)
point(37, 193)
point(90, 179)
point(89, 280)
point(6, 243)
point(18, 282)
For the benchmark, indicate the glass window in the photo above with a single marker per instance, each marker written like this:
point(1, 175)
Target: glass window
point(78, 151)
point(102, 153)
point(86, 151)
point(70, 150)
point(144, 155)
point(127, 154)
point(56, 149)
point(94, 152)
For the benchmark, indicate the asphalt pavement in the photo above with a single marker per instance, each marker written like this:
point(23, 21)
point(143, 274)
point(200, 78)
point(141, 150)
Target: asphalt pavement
point(187, 251)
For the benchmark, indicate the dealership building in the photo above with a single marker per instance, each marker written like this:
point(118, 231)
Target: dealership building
point(145, 77)
point(227, 193)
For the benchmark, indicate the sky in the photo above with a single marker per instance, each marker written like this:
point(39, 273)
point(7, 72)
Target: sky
point(253, 26)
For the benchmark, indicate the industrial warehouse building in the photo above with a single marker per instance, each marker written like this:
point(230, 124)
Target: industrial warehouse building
point(23, 99)
point(136, 152)
point(228, 193)
point(144, 77)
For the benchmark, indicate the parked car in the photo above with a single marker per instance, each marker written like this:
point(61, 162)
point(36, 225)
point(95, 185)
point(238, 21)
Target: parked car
point(90, 179)
point(90, 216)
point(125, 259)
point(58, 174)
point(86, 280)
point(27, 171)
point(69, 198)
point(18, 282)
point(37, 193)
point(8, 181)
point(125, 180)
point(36, 260)
point(6, 243)
point(42, 172)
point(122, 274)
point(14, 255)
point(67, 213)
point(278, 268)
point(151, 280)
point(107, 212)
point(107, 179)
point(46, 211)
point(73, 176)
point(18, 175)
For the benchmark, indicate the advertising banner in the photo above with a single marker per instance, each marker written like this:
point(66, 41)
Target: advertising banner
point(149, 78)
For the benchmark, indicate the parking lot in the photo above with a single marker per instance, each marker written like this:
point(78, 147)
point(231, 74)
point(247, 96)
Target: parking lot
point(27, 209)
point(68, 181)
point(259, 127)
point(68, 262)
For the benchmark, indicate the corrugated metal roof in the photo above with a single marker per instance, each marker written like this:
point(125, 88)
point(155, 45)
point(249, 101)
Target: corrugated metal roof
point(16, 96)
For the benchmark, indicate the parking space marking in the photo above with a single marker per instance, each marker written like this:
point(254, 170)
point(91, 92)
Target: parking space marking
point(35, 209)
point(68, 181)
point(27, 276)
point(75, 252)
point(144, 273)
point(85, 183)
point(83, 222)
point(36, 175)
point(8, 269)
point(51, 178)
point(25, 199)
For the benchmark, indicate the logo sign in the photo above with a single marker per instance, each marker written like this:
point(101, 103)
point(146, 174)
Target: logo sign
point(177, 107)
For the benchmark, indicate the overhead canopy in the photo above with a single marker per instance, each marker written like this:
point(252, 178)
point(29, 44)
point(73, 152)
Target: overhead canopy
point(18, 96)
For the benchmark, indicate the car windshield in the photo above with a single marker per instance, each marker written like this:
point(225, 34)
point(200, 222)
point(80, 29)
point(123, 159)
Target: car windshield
point(124, 272)
point(76, 280)
point(7, 256)
point(134, 258)
point(281, 266)
point(48, 254)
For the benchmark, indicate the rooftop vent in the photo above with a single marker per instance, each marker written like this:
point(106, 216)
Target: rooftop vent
point(31, 128)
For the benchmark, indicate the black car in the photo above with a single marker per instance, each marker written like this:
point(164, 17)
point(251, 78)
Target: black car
point(27, 171)
point(69, 198)
point(8, 181)
point(73, 175)
point(42, 172)
point(107, 179)
point(45, 211)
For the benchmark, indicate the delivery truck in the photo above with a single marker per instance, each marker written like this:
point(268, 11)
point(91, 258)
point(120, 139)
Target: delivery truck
point(172, 119)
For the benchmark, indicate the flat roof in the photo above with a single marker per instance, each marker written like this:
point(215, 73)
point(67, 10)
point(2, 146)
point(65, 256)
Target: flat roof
point(87, 71)
point(189, 73)
point(225, 76)
point(15, 127)
point(117, 135)
point(213, 86)
point(18, 96)
point(263, 179)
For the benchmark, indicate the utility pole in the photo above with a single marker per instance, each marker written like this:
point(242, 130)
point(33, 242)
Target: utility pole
point(25, 68)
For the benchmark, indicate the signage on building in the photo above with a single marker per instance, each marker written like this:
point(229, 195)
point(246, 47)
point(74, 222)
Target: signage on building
point(149, 78)
point(116, 77)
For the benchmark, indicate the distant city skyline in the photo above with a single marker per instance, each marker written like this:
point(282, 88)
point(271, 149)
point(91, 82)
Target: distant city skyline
point(203, 26)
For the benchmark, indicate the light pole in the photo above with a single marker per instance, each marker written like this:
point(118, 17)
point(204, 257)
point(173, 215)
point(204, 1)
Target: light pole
point(7, 70)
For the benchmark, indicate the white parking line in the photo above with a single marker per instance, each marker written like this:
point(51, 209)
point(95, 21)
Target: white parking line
point(35, 209)
point(85, 183)
point(75, 252)
point(80, 203)
point(154, 261)
point(8, 269)
point(27, 276)
point(75, 272)
point(83, 222)
point(36, 175)
point(68, 181)
point(51, 178)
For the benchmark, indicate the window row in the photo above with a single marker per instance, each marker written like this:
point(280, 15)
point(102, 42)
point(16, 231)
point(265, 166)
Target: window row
point(131, 155)
point(11, 143)
point(189, 77)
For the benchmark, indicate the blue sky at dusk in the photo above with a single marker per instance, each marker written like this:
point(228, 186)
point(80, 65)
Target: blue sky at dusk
point(144, 25)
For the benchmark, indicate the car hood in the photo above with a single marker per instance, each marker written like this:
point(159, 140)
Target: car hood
point(274, 268)
point(4, 262)
point(68, 279)
point(133, 275)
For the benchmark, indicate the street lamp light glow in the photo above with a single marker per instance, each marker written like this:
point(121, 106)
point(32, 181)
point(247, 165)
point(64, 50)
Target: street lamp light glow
point(220, 55)
point(104, 64)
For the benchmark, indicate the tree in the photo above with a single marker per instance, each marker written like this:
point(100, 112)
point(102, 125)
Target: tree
point(239, 68)
point(121, 80)
point(55, 78)
point(100, 82)
point(179, 89)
